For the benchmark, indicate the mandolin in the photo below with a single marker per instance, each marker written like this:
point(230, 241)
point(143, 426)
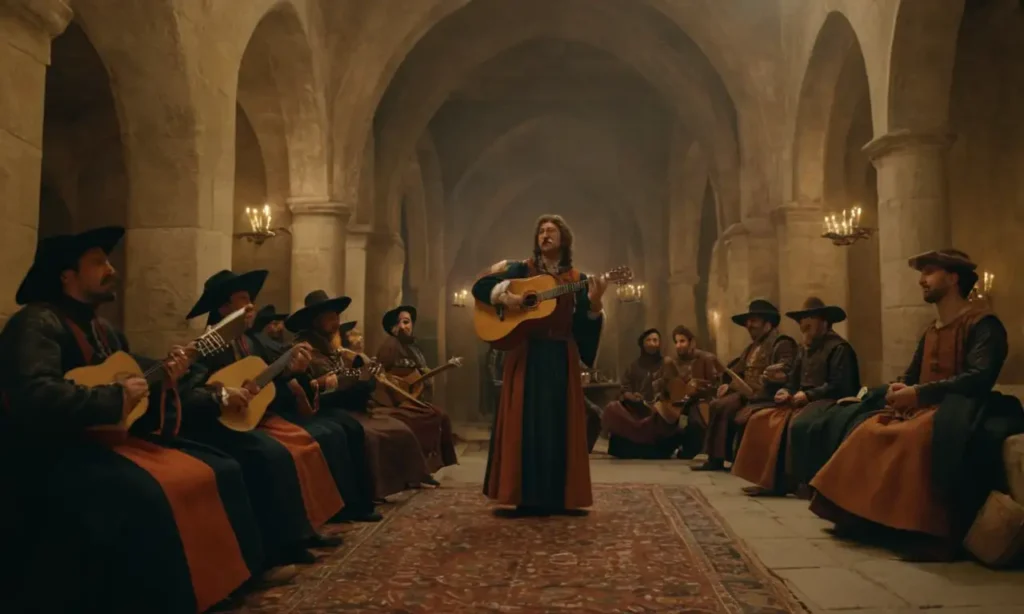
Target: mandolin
point(119, 366)
point(496, 323)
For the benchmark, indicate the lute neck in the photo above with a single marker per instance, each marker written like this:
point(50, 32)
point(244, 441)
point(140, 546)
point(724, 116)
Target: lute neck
point(274, 369)
point(557, 291)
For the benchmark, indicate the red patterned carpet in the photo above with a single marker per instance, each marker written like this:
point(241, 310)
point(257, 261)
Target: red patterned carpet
point(644, 548)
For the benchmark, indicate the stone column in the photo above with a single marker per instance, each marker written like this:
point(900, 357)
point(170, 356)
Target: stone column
point(750, 257)
point(682, 303)
point(385, 256)
point(318, 247)
point(808, 264)
point(355, 273)
point(913, 217)
point(26, 29)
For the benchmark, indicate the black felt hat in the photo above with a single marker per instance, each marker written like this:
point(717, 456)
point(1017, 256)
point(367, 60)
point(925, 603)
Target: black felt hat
point(814, 306)
point(266, 315)
point(643, 335)
point(222, 284)
point(59, 253)
point(391, 317)
point(759, 308)
point(347, 326)
point(316, 302)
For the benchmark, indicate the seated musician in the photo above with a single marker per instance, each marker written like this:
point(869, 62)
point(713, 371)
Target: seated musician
point(909, 468)
point(764, 367)
point(824, 372)
point(109, 520)
point(391, 451)
point(268, 328)
point(634, 429)
point(695, 373)
point(288, 477)
point(400, 356)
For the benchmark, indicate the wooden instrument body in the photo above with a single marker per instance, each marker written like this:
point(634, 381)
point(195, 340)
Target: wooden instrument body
point(118, 367)
point(234, 376)
point(492, 326)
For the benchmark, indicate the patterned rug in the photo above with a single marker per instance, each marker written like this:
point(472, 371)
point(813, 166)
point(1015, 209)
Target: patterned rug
point(643, 548)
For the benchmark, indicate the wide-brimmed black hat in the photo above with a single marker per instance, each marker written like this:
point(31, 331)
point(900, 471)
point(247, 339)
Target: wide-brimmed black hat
point(391, 317)
point(316, 302)
point(58, 253)
point(222, 284)
point(643, 335)
point(266, 315)
point(952, 260)
point(347, 326)
point(814, 306)
point(759, 308)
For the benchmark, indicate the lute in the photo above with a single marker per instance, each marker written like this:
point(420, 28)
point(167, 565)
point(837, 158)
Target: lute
point(119, 366)
point(251, 369)
point(496, 323)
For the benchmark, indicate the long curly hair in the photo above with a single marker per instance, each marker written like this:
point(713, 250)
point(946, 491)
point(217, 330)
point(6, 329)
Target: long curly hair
point(566, 234)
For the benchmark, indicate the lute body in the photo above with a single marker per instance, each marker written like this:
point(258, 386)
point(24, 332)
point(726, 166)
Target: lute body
point(119, 366)
point(497, 323)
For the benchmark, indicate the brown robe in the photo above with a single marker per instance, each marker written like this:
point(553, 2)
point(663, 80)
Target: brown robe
point(393, 454)
point(825, 372)
point(883, 471)
point(432, 426)
point(633, 420)
point(729, 414)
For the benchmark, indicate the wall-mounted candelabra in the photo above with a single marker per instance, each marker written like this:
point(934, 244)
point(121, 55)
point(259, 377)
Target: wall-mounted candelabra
point(260, 220)
point(460, 298)
point(846, 229)
point(982, 290)
point(630, 293)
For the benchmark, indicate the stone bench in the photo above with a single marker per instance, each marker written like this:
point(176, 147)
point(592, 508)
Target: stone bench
point(1013, 453)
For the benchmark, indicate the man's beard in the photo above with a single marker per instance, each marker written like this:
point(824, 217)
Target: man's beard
point(934, 295)
point(687, 353)
point(102, 296)
point(275, 333)
point(404, 336)
point(652, 351)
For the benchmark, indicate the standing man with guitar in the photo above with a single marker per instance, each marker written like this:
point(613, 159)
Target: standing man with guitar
point(538, 457)
point(403, 360)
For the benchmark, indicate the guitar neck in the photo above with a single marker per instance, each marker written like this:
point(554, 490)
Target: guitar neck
point(557, 291)
point(435, 372)
point(274, 369)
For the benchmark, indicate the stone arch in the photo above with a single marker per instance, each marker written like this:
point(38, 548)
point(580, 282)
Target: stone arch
point(280, 91)
point(921, 63)
point(84, 180)
point(567, 145)
point(379, 42)
point(414, 204)
point(694, 93)
point(831, 173)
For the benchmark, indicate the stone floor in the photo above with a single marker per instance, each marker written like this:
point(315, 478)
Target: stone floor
point(827, 575)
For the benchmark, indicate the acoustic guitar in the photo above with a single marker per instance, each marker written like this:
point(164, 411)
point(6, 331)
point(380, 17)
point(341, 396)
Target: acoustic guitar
point(254, 369)
point(119, 366)
point(411, 386)
point(495, 323)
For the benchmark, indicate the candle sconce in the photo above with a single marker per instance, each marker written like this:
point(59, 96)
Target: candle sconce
point(846, 231)
point(629, 293)
point(259, 223)
point(461, 298)
point(982, 290)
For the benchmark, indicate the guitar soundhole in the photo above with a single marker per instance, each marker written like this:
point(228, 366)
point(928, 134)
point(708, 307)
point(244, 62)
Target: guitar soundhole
point(530, 300)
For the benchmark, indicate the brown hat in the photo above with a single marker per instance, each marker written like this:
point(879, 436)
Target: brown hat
point(815, 307)
point(952, 260)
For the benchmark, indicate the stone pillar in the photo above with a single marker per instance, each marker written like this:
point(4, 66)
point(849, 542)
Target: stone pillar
point(750, 258)
point(809, 265)
point(355, 274)
point(682, 303)
point(913, 217)
point(385, 259)
point(318, 247)
point(26, 29)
